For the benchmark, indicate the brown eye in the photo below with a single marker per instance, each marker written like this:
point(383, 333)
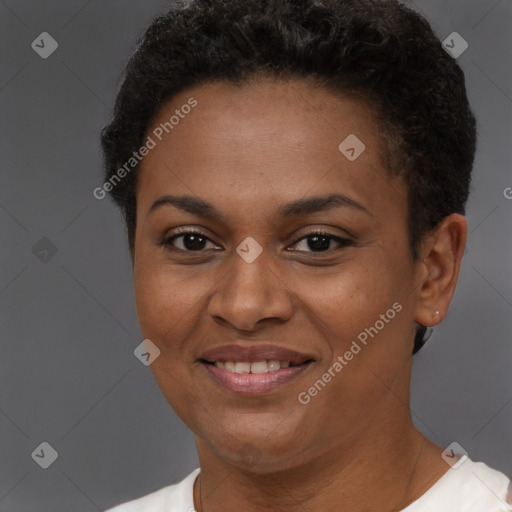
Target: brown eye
point(188, 241)
point(321, 242)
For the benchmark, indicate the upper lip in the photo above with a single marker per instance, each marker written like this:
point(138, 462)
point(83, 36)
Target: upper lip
point(252, 353)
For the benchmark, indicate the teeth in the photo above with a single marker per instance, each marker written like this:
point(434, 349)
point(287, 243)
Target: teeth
point(242, 367)
point(275, 365)
point(229, 366)
point(256, 367)
point(259, 367)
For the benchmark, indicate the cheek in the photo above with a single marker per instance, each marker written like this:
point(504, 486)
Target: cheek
point(163, 313)
point(157, 300)
point(352, 297)
point(169, 301)
point(155, 294)
point(361, 305)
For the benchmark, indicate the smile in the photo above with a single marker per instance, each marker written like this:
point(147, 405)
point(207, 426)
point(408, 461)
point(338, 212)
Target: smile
point(248, 367)
point(253, 370)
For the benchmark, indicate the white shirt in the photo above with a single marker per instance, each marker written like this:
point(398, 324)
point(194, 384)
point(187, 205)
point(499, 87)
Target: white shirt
point(471, 487)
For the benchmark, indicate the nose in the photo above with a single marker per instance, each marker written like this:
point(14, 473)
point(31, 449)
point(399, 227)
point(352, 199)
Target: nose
point(251, 293)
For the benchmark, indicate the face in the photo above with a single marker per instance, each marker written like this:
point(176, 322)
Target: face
point(286, 248)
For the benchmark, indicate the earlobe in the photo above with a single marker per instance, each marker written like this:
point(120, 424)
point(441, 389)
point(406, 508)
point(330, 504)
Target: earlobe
point(438, 269)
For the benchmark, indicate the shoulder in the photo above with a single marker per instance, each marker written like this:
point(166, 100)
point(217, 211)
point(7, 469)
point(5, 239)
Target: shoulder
point(176, 497)
point(469, 487)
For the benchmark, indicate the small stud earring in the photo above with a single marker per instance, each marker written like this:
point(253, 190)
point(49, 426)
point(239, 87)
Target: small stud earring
point(437, 312)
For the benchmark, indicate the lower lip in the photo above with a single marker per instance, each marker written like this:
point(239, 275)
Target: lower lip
point(254, 383)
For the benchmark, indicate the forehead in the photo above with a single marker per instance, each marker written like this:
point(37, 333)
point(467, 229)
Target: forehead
point(274, 139)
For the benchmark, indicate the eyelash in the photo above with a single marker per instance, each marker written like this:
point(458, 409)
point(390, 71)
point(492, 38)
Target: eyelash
point(343, 242)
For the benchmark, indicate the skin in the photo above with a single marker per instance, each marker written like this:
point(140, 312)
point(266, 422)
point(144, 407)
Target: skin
point(248, 150)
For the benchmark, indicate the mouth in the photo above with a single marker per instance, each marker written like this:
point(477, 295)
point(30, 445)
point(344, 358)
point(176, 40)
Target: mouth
point(254, 370)
point(256, 367)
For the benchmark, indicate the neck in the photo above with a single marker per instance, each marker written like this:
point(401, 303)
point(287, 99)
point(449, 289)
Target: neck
point(390, 466)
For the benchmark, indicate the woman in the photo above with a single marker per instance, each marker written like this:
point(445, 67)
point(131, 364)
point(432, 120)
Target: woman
point(293, 175)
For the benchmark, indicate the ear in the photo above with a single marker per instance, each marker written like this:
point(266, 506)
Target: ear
point(438, 269)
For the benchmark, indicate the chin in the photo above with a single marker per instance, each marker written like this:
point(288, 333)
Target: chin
point(260, 447)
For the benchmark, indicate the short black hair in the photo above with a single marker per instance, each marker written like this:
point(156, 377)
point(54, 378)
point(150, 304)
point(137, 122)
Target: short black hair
point(379, 51)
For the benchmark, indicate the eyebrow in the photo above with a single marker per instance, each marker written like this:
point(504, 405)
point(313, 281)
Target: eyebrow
point(297, 208)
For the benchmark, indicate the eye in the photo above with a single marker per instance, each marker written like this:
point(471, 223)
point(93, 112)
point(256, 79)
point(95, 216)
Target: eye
point(189, 241)
point(196, 241)
point(320, 241)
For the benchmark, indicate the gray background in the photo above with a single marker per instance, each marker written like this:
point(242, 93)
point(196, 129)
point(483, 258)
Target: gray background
point(68, 375)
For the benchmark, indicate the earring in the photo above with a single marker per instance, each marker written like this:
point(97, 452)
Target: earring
point(437, 313)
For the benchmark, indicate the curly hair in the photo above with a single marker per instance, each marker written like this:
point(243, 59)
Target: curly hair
point(378, 51)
